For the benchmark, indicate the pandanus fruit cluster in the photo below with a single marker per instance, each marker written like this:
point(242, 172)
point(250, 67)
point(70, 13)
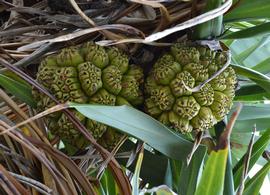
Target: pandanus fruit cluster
point(88, 74)
point(92, 74)
point(168, 88)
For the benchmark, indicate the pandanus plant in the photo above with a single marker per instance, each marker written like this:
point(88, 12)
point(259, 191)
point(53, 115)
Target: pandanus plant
point(189, 89)
point(164, 107)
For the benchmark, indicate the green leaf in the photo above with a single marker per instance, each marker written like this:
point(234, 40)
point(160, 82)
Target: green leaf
point(242, 24)
point(263, 67)
point(212, 180)
point(251, 94)
point(189, 175)
point(140, 125)
point(15, 77)
point(246, 125)
point(239, 142)
point(254, 111)
point(108, 184)
point(249, 90)
point(249, 52)
point(211, 28)
point(135, 181)
point(239, 59)
point(18, 89)
point(253, 185)
point(258, 148)
point(251, 114)
point(257, 77)
point(183, 178)
point(253, 97)
point(172, 177)
point(152, 173)
point(245, 10)
point(259, 30)
point(255, 46)
point(228, 184)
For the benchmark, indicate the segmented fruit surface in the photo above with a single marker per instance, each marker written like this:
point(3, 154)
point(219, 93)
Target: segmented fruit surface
point(170, 101)
point(88, 74)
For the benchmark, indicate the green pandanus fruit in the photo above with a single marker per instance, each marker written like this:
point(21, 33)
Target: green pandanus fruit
point(88, 74)
point(167, 88)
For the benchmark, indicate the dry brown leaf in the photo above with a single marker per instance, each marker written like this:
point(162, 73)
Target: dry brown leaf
point(16, 184)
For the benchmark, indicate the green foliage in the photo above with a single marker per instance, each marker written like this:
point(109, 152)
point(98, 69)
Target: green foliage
point(263, 67)
point(259, 30)
point(190, 174)
point(253, 186)
point(228, 184)
point(258, 148)
point(139, 125)
point(246, 10)
point(259, 78)
point(246, 30)
point(181, 177)
point(172, 177)
point(212, 28)
point(107, 184)
point(212, 181)
point(17, 88)
point(210, 173)
point(135, 181)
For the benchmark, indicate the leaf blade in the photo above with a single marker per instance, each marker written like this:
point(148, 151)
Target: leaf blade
point(245, 10)
point(259, 78)
point(212, 181)
point(259, 30)
point(258, 148)
point(20, 90)
point(135, 183)
point(140, 125)
point(189, 175)
point(253, 186)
